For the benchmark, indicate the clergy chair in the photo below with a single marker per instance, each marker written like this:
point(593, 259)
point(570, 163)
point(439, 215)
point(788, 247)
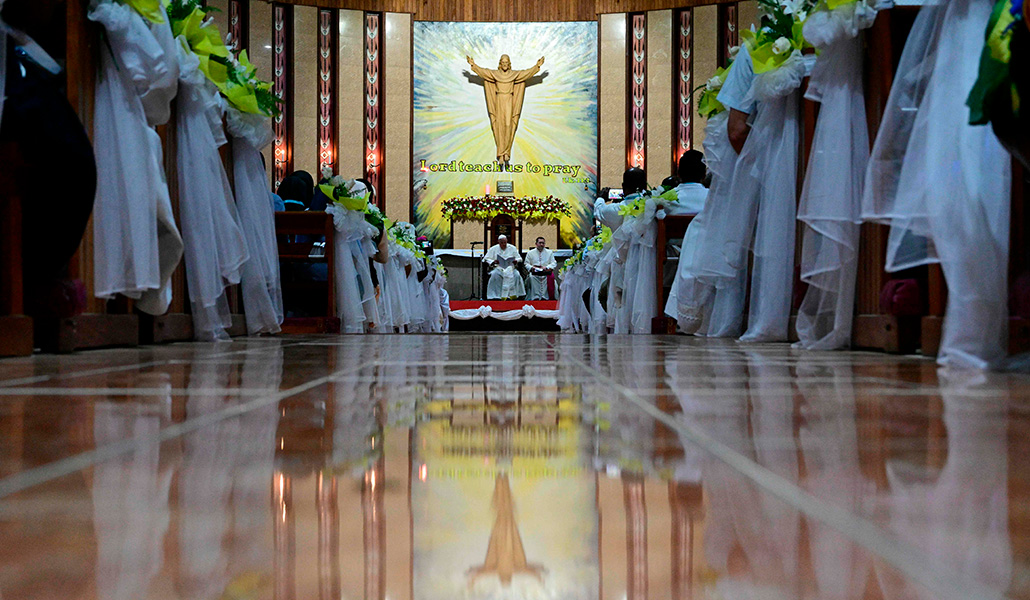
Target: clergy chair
point(310, 225)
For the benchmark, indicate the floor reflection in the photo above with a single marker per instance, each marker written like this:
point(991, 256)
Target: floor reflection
point(490, 467)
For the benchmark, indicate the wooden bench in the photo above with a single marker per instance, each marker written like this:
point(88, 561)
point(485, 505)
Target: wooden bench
point(288, 225)
point(669, 228)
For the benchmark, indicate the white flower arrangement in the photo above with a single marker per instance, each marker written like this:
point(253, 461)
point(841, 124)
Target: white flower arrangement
point(781, 45)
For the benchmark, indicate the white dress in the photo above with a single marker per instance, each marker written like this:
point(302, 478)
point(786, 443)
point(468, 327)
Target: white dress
point(137, 245)
point(214, 243)
point(537, 284)
point(952, 199)
point(505, 281)
point(830, 205)
point(260, 282)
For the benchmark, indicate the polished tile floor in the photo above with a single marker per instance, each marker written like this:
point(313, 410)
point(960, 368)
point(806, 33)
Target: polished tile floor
point(509, 466)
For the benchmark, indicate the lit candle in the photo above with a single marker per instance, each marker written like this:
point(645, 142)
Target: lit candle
point(488, 189)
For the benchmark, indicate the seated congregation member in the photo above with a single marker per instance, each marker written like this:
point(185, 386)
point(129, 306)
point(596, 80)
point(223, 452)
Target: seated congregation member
point(691, 192)
point(541, 264)
point(505, 282)
point(294, 194)
point(606, 209)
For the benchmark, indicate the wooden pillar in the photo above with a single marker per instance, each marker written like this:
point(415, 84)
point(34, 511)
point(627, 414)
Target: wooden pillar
point(375, 106)
point(683, 84)
point(328, 54)
point(727, 36)
point(636, 92)
point(282, 85)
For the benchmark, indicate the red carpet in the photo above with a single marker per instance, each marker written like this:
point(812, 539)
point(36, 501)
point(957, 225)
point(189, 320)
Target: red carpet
point(504, 305)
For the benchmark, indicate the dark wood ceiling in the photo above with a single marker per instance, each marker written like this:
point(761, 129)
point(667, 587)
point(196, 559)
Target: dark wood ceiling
point(484, 10)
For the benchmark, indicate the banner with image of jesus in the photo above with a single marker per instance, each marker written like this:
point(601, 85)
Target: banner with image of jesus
point(504, 102)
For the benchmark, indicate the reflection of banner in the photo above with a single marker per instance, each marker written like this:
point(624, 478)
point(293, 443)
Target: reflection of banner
point(523, 493)
point(554, 152)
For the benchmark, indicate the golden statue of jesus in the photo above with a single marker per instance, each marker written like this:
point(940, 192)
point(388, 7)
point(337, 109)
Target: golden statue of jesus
point(505, 89)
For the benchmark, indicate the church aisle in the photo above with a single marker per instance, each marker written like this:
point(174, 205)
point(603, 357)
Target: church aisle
point(509, 466)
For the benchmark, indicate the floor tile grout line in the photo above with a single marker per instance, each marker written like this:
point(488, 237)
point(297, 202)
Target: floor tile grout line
point(27, 479)
point(867, 534)
point(143, 365)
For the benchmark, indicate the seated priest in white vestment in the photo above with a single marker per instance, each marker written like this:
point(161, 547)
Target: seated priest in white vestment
point(541, 264)
point(505, 281)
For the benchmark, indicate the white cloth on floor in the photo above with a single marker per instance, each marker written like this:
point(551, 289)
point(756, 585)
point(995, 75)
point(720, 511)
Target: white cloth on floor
point(260, 283)
point(137, 245)
point(505, 280)
point(830, 204)
point(953, 200)
point(536, 285)
point(215, 248)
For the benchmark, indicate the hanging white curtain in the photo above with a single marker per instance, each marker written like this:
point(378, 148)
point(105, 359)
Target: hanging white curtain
point(136, 242)
point(830, 205)
point(260, 283)
point(215, 247)
point(952, 198)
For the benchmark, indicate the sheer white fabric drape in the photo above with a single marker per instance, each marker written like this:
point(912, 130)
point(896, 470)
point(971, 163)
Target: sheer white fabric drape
point(355, 295)
point(394, 302)
point(215, 247)
point(830, 205)
point(136, 242)
point(950, 203)
point(635, 299)
point(260, 283)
